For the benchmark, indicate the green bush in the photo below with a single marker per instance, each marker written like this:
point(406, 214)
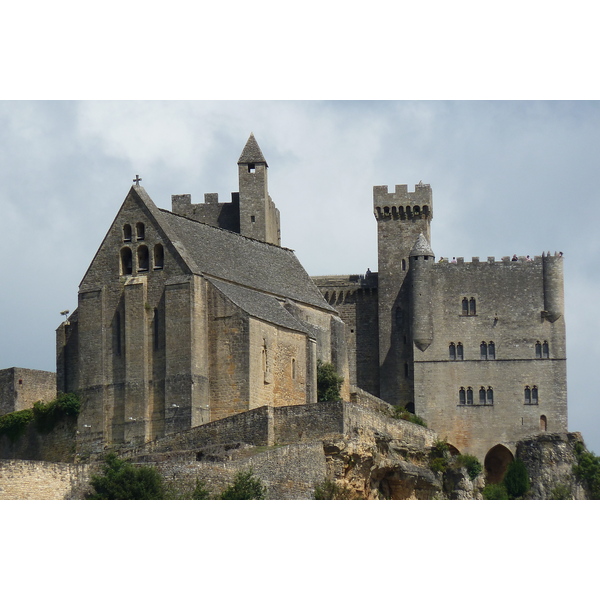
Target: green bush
point(495, 491)
point(245, 487)
point(516, 479)
point(329, 383)
point(439, 456)
point(46, 416)
point(13, 424)
point(200, 491)
point(330, 490)
point(587, 470)
point(123, 481)
point(561, 492)
point(438, 464)
point(471, 464)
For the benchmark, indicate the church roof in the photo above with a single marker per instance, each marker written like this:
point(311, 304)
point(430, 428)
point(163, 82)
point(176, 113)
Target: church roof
point(233, 258)
point(251, 152)
point(421, 247)
point(259, 305)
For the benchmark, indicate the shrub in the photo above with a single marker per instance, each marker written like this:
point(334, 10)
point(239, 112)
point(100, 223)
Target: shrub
point(439, 456)
point(200, 491)
point(245, 487)
point(587, 470)
point(330, 490)
point(516, 479)
point(400, 412)
point(495, 491)
point(438, 464)
point(471, 464)
point(14, 424)
point(561, 492)
point(329, 383)
point(46, 416)
point(123, 481)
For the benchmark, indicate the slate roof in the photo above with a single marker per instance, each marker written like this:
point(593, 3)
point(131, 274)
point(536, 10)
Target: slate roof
point(259, 305)
point(251, 152)
point(231, 257)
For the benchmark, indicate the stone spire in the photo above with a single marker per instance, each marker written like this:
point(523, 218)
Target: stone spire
point(252, 153)
point(421, 247)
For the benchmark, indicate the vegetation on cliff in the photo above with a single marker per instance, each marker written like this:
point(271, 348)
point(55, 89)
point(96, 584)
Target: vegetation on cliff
point(44, 416)
point(587, 470)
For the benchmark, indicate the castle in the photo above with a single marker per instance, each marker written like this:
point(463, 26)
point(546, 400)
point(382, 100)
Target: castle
point(192, 315)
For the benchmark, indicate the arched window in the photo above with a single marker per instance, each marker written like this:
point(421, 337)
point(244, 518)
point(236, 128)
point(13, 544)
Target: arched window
point(482, 395)
point(469, 395)
point(538, 350)
point(452, 351)
point(545, 350)
point(159, 256)
point(465, 307)
point(483, 351)
point(126, 233)
point(534, 395)
point(416, 210)
point(142, 256)
point(491, 351)
point(543, 423)
point(527, 395)
point(490, 395)
point(140, 231)
point(459, 351)
point(472, 307)
point(462, 399)
point(126, 261)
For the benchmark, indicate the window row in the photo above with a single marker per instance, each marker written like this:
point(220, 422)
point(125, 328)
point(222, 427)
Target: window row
point(487, 351)
point(486, 395)
point(140, 232)
point(143, 259)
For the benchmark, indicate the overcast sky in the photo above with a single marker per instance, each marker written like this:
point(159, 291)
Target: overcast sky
point(507, 177)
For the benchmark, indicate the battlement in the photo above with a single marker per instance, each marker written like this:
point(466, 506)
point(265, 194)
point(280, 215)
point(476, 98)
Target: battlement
point(491, 260)
point(402, 204)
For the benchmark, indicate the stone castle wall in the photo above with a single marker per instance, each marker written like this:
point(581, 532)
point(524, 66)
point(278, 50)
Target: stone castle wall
point(22, 388)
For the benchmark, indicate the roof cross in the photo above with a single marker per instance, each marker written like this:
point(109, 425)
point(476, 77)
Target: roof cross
point(137, 180)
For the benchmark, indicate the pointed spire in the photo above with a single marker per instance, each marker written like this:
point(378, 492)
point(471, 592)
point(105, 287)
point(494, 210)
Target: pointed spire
point(421, 247)
point(252, 152)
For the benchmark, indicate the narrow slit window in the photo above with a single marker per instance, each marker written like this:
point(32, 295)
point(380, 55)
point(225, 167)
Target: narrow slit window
point(459, 351)
point(534, 395)
point(462, 399)
point(472, 307)
point(465, 307)
point(491, 351)
point(483, 351)
point(527, 395)
point(452, 351)
point(538, 350)
point(482, 396)
point(156, 329)
point(490, 395)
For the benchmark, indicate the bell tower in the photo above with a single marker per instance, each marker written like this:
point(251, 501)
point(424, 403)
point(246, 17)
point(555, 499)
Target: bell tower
point(259, 217)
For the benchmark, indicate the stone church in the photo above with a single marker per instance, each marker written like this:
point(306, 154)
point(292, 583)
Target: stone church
point(195, 314)
point(190, 316)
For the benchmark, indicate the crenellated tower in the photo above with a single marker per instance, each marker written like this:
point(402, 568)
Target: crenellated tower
point(402, 217)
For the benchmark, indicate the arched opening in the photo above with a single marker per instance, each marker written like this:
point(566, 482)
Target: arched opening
point(143, 260)
point(543, 423)
point(496, 462)
point(159, 256)
point(527, 395)
point(459, 351)
point(126, 261)
point(545, 350)
point(462, 398)
point(140, 231)
point(465, 307)
point(482, 395)
point(452, 449)
point(126, 233)
point(538, 350)
point(452, 351)
point(490, 395)
point(472, 307)
point(469, 395)
point(491, 351)
point(483, 348)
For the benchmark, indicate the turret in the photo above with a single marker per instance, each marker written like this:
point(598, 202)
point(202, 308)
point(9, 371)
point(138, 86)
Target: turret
point(554, 301)
point(259, 218)
point(421, 263)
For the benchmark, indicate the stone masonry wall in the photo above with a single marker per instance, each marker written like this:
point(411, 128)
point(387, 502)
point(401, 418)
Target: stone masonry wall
point(37, 480)
point(22, 388)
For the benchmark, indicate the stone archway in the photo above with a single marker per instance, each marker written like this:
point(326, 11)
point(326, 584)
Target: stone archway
point(496, 461)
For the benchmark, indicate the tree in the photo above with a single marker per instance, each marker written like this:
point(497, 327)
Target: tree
point(245, 487)
point(123, 481)
point(516, 479)
point(329, 383)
